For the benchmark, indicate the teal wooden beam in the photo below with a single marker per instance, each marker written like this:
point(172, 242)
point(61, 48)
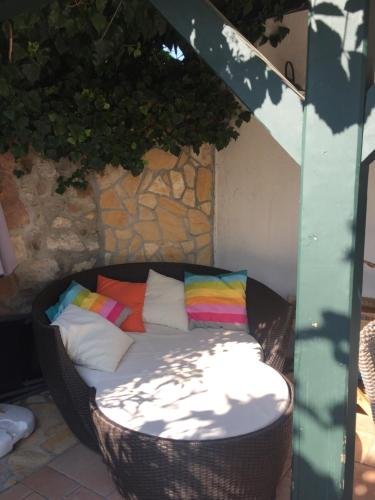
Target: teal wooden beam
point(274, 101)
point(368, 149)
point(331, 247)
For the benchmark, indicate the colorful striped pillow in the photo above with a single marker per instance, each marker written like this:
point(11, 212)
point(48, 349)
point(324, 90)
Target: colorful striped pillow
point(76, 294)
point(216, 301)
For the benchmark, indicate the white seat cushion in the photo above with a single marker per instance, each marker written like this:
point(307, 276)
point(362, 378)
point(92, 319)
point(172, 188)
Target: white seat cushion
point(90, 340)
point(201, 384)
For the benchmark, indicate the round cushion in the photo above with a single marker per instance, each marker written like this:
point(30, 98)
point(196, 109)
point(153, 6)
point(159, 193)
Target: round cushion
point(195, 385)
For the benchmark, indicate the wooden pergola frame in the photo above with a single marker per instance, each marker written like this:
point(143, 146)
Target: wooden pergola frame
point(330, 132)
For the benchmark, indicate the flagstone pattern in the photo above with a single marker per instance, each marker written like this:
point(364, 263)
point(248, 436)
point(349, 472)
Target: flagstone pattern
point(164, 214)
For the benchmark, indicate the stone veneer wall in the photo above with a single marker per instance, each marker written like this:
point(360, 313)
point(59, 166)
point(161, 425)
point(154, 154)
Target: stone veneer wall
point(166, 213)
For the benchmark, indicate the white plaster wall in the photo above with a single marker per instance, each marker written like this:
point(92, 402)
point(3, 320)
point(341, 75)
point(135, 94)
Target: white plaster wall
point(257, 194)
point(293, 48)
point(257, 191)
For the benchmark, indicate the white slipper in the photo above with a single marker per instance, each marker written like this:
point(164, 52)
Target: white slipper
point(17, 422)
point(6, 443)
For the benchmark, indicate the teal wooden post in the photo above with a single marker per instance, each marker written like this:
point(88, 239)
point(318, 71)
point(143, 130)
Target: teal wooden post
point(331, 241)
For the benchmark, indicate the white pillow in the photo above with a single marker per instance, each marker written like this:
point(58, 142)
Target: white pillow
point(91, 340)
point(165, 302)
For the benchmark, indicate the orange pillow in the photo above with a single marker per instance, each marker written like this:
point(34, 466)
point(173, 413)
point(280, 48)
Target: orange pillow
point(130, 294)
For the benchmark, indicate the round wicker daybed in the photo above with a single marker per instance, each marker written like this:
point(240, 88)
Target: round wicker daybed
point(151, 465)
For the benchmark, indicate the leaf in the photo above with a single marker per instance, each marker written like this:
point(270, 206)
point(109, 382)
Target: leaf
point(103, 51)
point(22, 122)
point(72, 95)
point(353, 6)
point(61, 45)
point(59, 128)
point(245, 116)
point(3, 147)
point(19, 53)
point(43, 126)
point(32, 48)
point(274, 40)
point(31, 72)
point(99, 21)
point(9, 113)
point(18, 150)
point(4, 88)
point(283, 31)
point(177, 118)
point(327, 9)
point(19, 173)
point(360, 35)
point(175, 149)
point(74, 156)
point(248, 7)
point(143, 109)
point(52, 153)
point(100, 5)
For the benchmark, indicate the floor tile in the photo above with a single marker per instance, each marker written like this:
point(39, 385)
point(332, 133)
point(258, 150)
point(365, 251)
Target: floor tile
point(370, 456)
point(50, 483)
point(365, 440)
point(17, 492)
point(364, 482)
point(365, 448)
point(35, 496)
point(365, 424)
point(85, 467)
point(84, 494)
point(50, 437)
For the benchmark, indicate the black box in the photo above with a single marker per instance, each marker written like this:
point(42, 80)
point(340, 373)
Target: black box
point(19, 367)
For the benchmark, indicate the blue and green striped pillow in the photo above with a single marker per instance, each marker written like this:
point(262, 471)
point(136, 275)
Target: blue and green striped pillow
point(76, 294)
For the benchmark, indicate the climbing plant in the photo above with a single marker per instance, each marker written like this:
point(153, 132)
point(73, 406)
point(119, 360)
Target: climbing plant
point(94, 81)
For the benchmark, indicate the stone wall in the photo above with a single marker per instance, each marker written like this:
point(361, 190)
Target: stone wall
point(166, 213)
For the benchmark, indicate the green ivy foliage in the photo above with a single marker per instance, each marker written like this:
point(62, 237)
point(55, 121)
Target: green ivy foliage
point(89, 80)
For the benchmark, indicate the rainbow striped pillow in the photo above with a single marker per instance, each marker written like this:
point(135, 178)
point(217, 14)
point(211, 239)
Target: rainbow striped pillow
point(76, 294)
point(216, 301)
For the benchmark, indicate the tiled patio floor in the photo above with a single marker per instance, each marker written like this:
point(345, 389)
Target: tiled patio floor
point(50, 439)
point(69, 470)
point(77, 474)
point(364, 472)
point(364, 469)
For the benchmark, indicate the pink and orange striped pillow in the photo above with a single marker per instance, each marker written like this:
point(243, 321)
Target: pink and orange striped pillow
point(216, 301)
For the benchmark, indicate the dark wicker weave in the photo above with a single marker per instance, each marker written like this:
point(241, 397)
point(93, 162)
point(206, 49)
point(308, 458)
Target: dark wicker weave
point(246, 467)
point(149, 468)
point(367, 362)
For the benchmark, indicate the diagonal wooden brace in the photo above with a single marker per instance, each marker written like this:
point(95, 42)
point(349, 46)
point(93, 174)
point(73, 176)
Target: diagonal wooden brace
point(276, 103)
